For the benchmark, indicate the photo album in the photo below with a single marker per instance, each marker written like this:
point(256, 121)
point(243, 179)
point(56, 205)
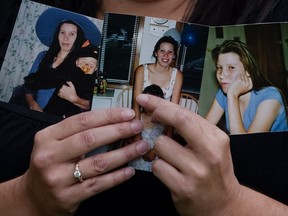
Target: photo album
point(64, 63)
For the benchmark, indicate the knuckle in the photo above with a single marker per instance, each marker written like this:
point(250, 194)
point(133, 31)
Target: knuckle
point(40, 160)
point(219, 151)
point(109, 114)
point(87, 139)
point(129, 154)
point(184, 117)
point(222, 138)
point(96, 186)
point(121, 129)
point(99, 164)
point(83, 119)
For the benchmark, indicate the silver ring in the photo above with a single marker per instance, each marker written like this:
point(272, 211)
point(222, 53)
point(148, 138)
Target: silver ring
point(77, 173)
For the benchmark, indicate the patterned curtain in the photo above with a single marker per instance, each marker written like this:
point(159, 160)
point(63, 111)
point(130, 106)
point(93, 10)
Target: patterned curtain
point(22, 49)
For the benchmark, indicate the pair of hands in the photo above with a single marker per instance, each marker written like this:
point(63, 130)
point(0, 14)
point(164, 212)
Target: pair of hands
point(199, 174)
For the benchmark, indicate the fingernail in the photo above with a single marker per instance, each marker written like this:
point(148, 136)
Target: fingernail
point(136, 126)
point(142, 98)
point(142, 147)
point(128, 113)
point(129, 171)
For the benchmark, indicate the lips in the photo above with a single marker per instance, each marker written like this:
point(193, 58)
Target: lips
point(165, 61)
point(65, 44)
point(224, 85)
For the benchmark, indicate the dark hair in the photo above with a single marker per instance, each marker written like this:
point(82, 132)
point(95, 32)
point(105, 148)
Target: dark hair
point(246, 57)
point(227, 12)
point(166, 39)
point(55, 46)
point(207, 12)
point(152, 89)
point(88, 51)
point(155, 90)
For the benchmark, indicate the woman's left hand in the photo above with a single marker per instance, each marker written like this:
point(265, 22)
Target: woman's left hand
point(68, 92)
point(50, 186)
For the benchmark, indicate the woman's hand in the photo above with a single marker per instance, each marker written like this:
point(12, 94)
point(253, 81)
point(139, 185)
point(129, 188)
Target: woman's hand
point(241, 85)
point(36, 107)
point(33, 105)
point(200, 175)
point(49, 186)
point(68, 92)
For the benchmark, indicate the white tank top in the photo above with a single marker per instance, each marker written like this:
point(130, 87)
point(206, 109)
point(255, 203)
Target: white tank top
point(168, 91)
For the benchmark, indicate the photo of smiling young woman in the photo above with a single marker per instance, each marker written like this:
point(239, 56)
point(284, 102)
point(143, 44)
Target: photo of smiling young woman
point(162, 73)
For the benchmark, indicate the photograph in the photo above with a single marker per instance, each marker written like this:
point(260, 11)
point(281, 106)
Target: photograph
point(51, 61)
point(154, 56)
point(244, 85)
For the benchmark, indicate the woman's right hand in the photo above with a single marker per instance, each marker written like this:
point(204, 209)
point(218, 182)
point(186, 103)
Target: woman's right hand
point(200, 175)
point(36, 107)
point(49, 186)
point(32, 103)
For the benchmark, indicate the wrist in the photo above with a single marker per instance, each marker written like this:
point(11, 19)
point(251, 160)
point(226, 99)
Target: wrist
point(232, 94)
point(33, 105)
point(16, 197)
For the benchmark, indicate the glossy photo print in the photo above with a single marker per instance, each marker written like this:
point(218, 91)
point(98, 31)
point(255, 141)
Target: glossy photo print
point(149, 55)
point(244, 85)
point(51, 62)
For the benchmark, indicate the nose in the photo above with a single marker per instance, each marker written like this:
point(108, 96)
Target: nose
point(66, 38)
point(164, 53)
point(222, 73)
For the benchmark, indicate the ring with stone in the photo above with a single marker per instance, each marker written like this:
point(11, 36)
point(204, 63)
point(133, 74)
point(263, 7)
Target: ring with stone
point(77, 173)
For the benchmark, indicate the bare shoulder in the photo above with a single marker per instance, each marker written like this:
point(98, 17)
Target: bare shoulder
point(139, 69)
point(179, 73)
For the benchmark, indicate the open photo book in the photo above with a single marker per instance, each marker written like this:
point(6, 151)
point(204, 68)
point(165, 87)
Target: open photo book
point(124, 43)
point(33, 76)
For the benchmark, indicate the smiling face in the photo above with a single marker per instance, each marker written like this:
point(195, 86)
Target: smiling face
point(165, 54)
point(67, 36)
point(229, 68)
